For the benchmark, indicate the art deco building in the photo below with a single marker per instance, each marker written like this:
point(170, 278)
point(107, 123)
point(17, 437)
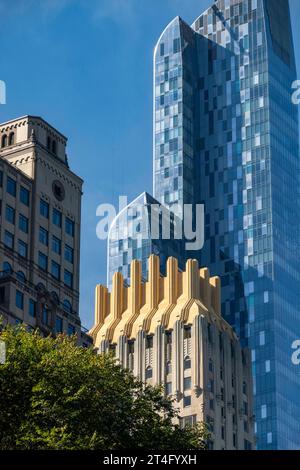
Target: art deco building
point(169, 330)
point(40, 214)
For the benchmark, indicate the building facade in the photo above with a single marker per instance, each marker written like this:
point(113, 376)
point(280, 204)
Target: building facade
point(226, 135)
point(40, 203)
point(169, 331)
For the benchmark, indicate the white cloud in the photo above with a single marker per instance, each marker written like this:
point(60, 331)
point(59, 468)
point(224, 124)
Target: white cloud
point(115, 10)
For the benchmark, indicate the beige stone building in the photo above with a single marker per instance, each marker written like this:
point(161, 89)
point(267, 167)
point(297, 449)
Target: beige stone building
point(170, 331)
point(40, 214)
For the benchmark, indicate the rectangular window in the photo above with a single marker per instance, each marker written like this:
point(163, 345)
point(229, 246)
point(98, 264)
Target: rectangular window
point(10, 214)
point(11, 186)
point(44, 209)
point(70, 227)
point(162, 49)
point(56, 217)
point(32, 308)
point(262, 339)
point(43, 236)
point(71, 330)
point(24, 196)
point(59, 325)
point(187, 400)
point(19, 300)
point(69, 254)
point(23, 223)
point(263, 411)
point(8, 239)
point(168, 388)
point(68, 279)
point(45, 315)
point(187, 332)
point(187, 384)
point(43, 261)
point(176, 45)
point(55, 270)
point(22, 249)
point(56, 245)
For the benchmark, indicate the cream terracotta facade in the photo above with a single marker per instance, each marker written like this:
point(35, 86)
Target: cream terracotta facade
point(39, 247)
point(170, 331)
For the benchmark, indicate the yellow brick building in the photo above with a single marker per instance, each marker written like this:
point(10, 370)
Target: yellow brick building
point(169, 330)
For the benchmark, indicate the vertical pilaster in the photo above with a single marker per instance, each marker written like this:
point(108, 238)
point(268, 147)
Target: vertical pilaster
point(205, 287)
point(120, 350)
point(139, 355)
point(177, 359)
point(215, 284)
point(191, 280)
point(153, 282)
point(117, 296)
point(158, 354)
point(101, 304)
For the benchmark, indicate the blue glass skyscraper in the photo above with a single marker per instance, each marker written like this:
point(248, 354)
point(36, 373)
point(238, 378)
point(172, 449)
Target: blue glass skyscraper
point(226, 135)
point(130, 238)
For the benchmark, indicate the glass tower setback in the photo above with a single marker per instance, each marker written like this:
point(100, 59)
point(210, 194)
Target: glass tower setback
point(137, 232)
point(226, 135)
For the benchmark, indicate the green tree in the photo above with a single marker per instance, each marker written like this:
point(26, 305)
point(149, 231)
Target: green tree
point(56, 395)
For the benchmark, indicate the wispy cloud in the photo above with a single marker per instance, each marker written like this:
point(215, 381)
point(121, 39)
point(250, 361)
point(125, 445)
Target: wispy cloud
point(115, 10)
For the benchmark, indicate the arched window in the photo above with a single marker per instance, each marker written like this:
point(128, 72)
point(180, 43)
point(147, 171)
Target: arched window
point(148, 373)
point(7, 269)
point(54, 146)
point(11, 138)
point(4, 141)
point(48, 143)
point(187, 363)
point(55, 297)
point(40, 287)
point(21, 276)
point(67, 306)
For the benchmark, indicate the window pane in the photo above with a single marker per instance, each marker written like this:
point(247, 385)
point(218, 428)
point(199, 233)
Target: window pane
point(11, 186)
point(32, 308)
point(23, 223)
point(43, 261)
point(55, 270)
point(24, 196)
point(59, 325)
point(19, 300)
point(69, 254)
point(56, 245)
point(68, 279)
point(43, 236)
point(10, 214)
point(44, 209)
point(22, 249)
point(8, 240)
point(69, 227)
point(56, 217)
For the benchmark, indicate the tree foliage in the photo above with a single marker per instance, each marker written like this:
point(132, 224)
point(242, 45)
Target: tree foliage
point(56, 395)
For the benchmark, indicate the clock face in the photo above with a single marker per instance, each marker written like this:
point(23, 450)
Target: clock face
point(58, 190)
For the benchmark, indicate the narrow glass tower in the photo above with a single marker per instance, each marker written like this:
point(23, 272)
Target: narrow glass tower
point(226, 135)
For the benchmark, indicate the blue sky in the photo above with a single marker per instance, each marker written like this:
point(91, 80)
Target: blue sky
point(86, 67)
